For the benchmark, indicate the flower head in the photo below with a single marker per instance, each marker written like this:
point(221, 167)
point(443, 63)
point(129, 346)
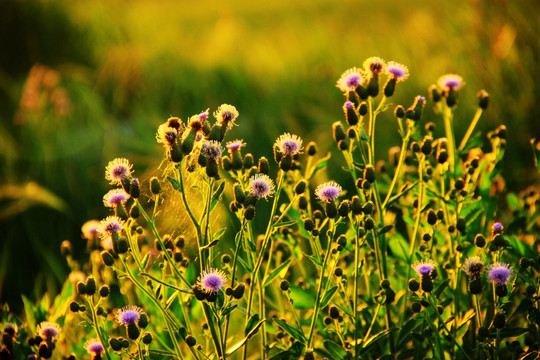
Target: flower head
point(90, 229)
point(497, 228)
point(128, 315)
point(397, 71)
point(166, 135)
point(424, 267)
point(197, 122)
point(348, 105)
point(111, 225)
point(328, 192)
point(117, 170)
point(212, 150)
point(289, 144)
point(48, 330)
point(115, 197)
point(235, 145)
point(226, 115)
point(500, 273)
point(473, 266)
point(374, 66)
point(261, 186)
point(94, 347)
point(350, 80)
point(212, 280)
point(450, 82)
point(204, 115)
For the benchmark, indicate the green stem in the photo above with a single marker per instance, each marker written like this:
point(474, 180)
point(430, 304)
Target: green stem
point(472, 125)
point(96, 327)
point(401, 160)
point(319, 290)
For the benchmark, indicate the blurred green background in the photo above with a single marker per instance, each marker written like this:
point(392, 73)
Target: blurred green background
point(83, 82)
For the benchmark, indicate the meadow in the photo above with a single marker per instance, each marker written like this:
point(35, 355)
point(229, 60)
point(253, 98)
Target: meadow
point(88, 82)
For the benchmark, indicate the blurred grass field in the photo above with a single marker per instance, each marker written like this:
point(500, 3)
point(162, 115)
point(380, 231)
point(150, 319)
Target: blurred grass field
point(84, 82)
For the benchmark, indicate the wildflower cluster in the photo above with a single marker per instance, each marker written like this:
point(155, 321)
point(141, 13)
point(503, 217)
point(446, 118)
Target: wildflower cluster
point(394, 255)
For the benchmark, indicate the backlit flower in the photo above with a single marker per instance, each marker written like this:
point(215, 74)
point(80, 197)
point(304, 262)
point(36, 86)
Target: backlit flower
point(117, 170)
point(397, 71)
point(212, 280)
point(328, 191)
point(90, 229)
point(115, 197)
point(235, 145)
point(350, 80)
point(473, 266)
point(289, 144)
point(94, 347)
point(500, 273)
point(212, 150)
point(111, 225)
point(128, 315)
point(423, 268)
point(226, 115)
point(261, 186)
point(48, 330)
point(450, 82)
point(166, 135)
point(373, 66)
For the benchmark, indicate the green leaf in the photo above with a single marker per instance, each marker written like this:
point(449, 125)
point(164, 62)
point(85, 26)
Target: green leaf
point(175, 183)
point(466, 317)
point(29, 310)
point(328, 296)
point(302, 300)
point(244, 264)
point(276, 272)
point(253, 320)
point(217, 195)
point(402, 192)
point(228, 309)
point(385, 229)
point(219, 234)
point(406, 331)
point(208, 246)
point(336, 351)
point(314, 260)
point(508, 332)
point(294, 332)
point(375, 339)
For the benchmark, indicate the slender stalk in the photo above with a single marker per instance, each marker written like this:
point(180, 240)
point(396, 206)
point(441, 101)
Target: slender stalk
point(397, 173)
point(449, 130)
point(319, 290)
point(96, 327)
point(470, 130)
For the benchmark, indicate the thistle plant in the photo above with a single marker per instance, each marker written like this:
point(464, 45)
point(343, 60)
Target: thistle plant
point(220, 255)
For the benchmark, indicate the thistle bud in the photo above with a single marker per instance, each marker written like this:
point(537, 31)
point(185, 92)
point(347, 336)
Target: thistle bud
point(369, 173)
point(483, 99)
point(104, 291)
point(302, 203)
point(390, 87)
point(499, 320)
point(143, 321)
point(199, 293)
point(475, 285)
point(147, 338)
point(248, 161)
point(414, 285)
point(155, 186)
point(134, 212)
point(426, 146)
point(309, 225)
point(264, 166)
point(373, 85)
point(501, 290)
point(227, 165)
point(238, 291)
point(300, 187)
point(369, 224)
point(431, 217)
point(350, 113)
point(356, 205)
point(239, 194)
point(123, 246)
point(135, 190)
point(175, 153)
point(285, 163)
point(331, 210)
point(284, 285)
point(344, 208)
point(212, 168)
point(343, 145)
point(191, 341)
point(338, 132)
point(107, 258)
point(399, 112)
point(133, 331)
point(187, 144)
point(368, 208)
point(363, 109)
point(81, 288)
point(434, 94)
point(427, 283)
point(249, 213)
point(311, 148)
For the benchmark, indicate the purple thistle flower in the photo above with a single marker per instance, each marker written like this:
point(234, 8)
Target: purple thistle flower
point(93, 346)
point(235, 145)
point(348, 105)
point(115, 197)
point(450, 82)
point(350, 80)
point(111, 225)
point(497, 227)
point(424, 267)
point(328, 192)
point(48, 330)
point(117, 170)
point(289, 144)
point(212, 280)
point(261, 186)
point(397, 71)
point(204, 114)
point(128, 315)
point(226, 115)
point(212, 150)
point(500, 273)
point(166, 135)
